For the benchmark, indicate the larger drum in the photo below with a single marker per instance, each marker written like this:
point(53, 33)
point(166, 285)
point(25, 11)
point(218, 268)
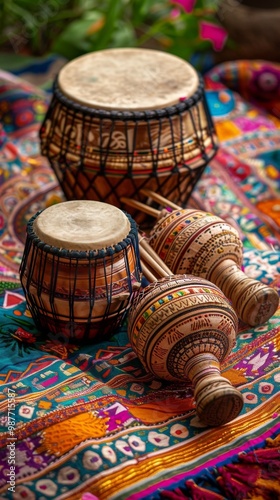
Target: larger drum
point(80, 269)
point(125, 119)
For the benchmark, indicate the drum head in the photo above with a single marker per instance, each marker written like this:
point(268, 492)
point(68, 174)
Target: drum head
point(82, 225)
point(128, 79)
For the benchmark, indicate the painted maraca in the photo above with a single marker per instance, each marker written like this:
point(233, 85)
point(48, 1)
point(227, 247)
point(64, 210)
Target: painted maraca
point(181, 328)
point(195, 242)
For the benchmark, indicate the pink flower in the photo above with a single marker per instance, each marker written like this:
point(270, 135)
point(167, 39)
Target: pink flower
point(187, 5)
point(175, 13)
point(216, 34)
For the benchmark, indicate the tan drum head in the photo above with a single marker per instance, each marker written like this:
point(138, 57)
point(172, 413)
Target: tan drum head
point(82, 225)
point(128, 79)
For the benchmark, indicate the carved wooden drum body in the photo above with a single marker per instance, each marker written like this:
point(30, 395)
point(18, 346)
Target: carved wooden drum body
point(80, 268)
point(182, 327)
point(124, 119)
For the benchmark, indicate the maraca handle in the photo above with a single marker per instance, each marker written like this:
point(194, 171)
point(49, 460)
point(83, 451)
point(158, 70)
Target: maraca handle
point(217, 401)
point(253, 301)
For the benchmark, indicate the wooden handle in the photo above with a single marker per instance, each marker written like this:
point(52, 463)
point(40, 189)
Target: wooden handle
point(147, 273)
point(253, 301)
point(217, 401)
point(146, 257)
point(141, 206)
point(143, 243)
point(160, 199)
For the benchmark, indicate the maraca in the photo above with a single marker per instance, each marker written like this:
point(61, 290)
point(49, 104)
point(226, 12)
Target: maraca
point(181, 327)
point(195, 242)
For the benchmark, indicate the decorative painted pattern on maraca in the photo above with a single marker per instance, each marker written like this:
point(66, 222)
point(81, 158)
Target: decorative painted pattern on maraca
point(182, 327)
point(196, 242)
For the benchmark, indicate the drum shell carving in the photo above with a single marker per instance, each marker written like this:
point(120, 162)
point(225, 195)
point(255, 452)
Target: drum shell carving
point(171, 140)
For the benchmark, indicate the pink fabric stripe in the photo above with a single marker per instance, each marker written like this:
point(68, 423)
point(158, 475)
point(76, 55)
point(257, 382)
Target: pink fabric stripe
point(211, 463)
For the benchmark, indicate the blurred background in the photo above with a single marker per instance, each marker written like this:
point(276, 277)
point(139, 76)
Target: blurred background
point(204, 32)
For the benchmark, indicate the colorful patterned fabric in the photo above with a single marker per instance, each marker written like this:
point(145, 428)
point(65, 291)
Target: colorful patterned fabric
point(81, 421)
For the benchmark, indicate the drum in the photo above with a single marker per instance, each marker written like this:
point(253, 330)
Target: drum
point(125, 119)
point(80, 269)
point(182, 327)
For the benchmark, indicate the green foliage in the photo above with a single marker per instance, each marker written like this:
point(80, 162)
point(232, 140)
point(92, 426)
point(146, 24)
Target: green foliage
point(74, 27)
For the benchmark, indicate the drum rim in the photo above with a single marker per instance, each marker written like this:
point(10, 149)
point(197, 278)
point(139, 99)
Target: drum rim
point(184, 105)
point(89, 255)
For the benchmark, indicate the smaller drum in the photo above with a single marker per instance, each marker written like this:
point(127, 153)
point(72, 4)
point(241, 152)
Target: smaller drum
point(121, 120)
point(80, 268)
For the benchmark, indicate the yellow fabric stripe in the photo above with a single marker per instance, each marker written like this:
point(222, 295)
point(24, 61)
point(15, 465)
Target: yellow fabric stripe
point(106, 486)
